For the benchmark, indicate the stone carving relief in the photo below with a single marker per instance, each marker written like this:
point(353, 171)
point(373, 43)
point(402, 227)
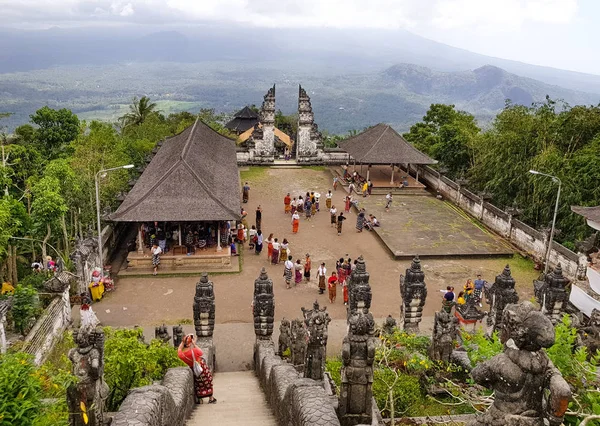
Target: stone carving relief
point(204, 307)
point(263, 307)
point(316, 321)
point(413, 292)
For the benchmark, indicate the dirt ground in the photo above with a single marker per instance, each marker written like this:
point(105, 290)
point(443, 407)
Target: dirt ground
point(154, 300)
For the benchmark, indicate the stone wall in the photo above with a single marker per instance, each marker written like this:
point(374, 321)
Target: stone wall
point(169, 403)
point(51, 324)
point(518, 233)
point(295, 401)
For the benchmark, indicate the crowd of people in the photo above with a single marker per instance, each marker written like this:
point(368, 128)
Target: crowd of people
point(472, 291)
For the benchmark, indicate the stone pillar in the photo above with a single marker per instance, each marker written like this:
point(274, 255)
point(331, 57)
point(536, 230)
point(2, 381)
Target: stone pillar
point(498, 295)
point(551, 294)
point(358, 354)
point(219, 247)
point(316, 321)
point(140, 248)
point(263, 306)
point(392, 179)
point(309, 140)
point(413, 292)
point(359, 289)
point(204, 307)
point(264, 138)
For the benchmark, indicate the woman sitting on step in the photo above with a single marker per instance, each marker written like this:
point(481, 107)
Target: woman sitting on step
point(189, 353)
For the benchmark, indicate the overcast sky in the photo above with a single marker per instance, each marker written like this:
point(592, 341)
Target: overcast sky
point(557, 33)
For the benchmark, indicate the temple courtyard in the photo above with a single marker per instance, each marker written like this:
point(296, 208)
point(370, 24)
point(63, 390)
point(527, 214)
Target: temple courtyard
point(413, 222)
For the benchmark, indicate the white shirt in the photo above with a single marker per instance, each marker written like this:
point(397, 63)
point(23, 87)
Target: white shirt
point(333, 211)
point(156, 251)
point(275, 246)
point(375, 221)
point(253, 232)
point(388, 197)
point(328, 195)
point(322, 272)
point(289, 264)
point(296, 216)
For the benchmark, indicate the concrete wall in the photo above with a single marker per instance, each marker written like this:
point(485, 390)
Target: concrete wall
point(169, 403)
point(518, 233)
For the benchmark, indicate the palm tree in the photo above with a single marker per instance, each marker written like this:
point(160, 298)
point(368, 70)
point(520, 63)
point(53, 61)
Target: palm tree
point(138, 112)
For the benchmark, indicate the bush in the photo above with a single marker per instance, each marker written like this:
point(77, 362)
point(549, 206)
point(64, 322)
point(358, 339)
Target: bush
point(481, 348)
point(35, 280)
point(25, 307)
point(407, 392)
point(334, 367)
point(130, 363)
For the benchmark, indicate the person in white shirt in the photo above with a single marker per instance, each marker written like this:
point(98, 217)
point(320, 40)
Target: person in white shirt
point(388, 201)
point(322, 275)
point(328, 197)
point(333, 213)
point(156, 251)
point(295, 222)
point(275, 256)
point(287, 272)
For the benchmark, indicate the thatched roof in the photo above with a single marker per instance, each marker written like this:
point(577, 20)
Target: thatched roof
point(381, 144)
point(243, 120)
point(590, 213)
point(192, 177)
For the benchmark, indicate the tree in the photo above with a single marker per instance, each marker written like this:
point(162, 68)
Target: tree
point(14, 222)
point(56, 130)
point(47, 208)
point(139, 111)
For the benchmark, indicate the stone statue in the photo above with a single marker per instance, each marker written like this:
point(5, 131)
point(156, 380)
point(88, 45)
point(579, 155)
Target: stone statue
point(162, 333)
point(263, 306)
point(445, 330)
point(298, 340)
point(389, 325)
point(413, 292)
point(359, 289)
point(316, 321)
point(498, 295)
point(589, 333)
point(284, 336)
point(552, 294)
point(358, 354)
point(86, 397)
point(582, 265)
point(204, 307)
point(529, 390)
point(177, 335)
point(469, 312)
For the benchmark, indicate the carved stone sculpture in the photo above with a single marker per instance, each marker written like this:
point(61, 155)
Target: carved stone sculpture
point(316, 321)
point(177, 335)
point(86, 397)
point(162, 333)
point(298, 340)
point(445, 328)
point(204, 307)
point(263, 307)
point(552, 294)
point(284, 336)
point(358, 354)
point(389, 325)
point(413, 292)
point(498, 295)
point(529, 390)
point(589, 333)
point(469, 312)
point(359, 289)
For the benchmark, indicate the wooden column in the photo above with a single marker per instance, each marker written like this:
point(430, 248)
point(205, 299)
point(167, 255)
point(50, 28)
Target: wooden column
point(392, 179)
point(140, 240)
point(219, 248)
point(368, 170)
point(417, 174)
point(179, 234)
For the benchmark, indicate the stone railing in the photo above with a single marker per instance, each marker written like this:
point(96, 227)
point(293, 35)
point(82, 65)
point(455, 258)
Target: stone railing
point(169, 403)
point(52, 324)
point(518, 233)
point(294, 400)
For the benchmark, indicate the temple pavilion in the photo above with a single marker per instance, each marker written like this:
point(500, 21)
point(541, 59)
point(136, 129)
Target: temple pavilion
point(383, 150)
point(186, 201)
point(243, 120)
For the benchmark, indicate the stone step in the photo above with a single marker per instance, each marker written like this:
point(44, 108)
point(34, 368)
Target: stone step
point(241, 401)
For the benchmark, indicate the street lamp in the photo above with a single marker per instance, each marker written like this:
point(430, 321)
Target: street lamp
point(556, 180)
point(103, 173)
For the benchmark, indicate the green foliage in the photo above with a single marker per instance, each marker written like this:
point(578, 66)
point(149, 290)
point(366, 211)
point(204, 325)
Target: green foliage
point(25, 307)
point(56, 130)
point(130, 363)
point(334, 367)
point(407, 392)
point(35, 281)
point(139, 111)
point(480, 348)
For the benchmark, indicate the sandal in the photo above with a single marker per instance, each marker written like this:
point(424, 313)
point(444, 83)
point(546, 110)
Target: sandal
point(213, 401)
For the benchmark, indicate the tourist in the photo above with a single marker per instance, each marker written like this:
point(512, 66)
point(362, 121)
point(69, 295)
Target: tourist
point(189, 353)
point(244, 215)
point(307, 264)
point(351, 188)
point(300, 204)
point(161, 236)
point(245, 192)
point(345, 292)
point(340, 220)
point(461, 298)
point(345, 169)
point(347, 267)
point(295, 222)
point(233, 247)
point(317, 200)
point(313, 207)
point(308, 208)
point(365, 189)
point(251, 238)
point(287, 203)
point(293, 205)
point(333, 213)
point(448, 300)
point(322, 275)
point(298, 268)
point(275, 256)
point(258, 217)
point(332, 287)
point(284, 251)
point(259, 242)
point(388, 201)
point(328, 197)
point(338, 266)
point(468, 289)
point(370, 186)
point(348, 203)
point(287, 272)
point(478, 292)
point(240, 235)
point(449, 293)
point(352, 265)
point(270, 246)
point(156, 251)
point(36, 267)
point(189, 242)
point(360, 220)
point(335, 182)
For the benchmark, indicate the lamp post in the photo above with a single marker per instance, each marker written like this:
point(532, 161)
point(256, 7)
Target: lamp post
point(556, 180)
point(103, 172)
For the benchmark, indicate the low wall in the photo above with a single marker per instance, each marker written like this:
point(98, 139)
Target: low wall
point(295, 401)
point(169, 403)
point(518, 233)
point(51, 324)
point(327, 156)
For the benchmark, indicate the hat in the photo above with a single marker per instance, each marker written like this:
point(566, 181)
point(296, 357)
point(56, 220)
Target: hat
point(307, 255)
point(317, 195)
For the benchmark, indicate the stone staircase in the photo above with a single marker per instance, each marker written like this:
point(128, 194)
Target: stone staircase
point(241, 401)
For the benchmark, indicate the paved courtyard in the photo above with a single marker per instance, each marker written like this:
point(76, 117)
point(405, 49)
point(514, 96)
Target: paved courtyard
point(153, 300)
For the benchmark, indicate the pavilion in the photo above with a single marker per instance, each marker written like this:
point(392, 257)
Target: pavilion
point(243, 120)
point(382, 145)
point(191, 186)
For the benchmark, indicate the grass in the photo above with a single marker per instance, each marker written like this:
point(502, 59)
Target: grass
point(254, 173)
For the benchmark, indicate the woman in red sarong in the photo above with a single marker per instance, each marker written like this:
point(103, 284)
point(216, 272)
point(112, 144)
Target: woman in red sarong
point(287, 201)
point(295, 222)
point(270, 246)
point(203, 387)
point(348, 203)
